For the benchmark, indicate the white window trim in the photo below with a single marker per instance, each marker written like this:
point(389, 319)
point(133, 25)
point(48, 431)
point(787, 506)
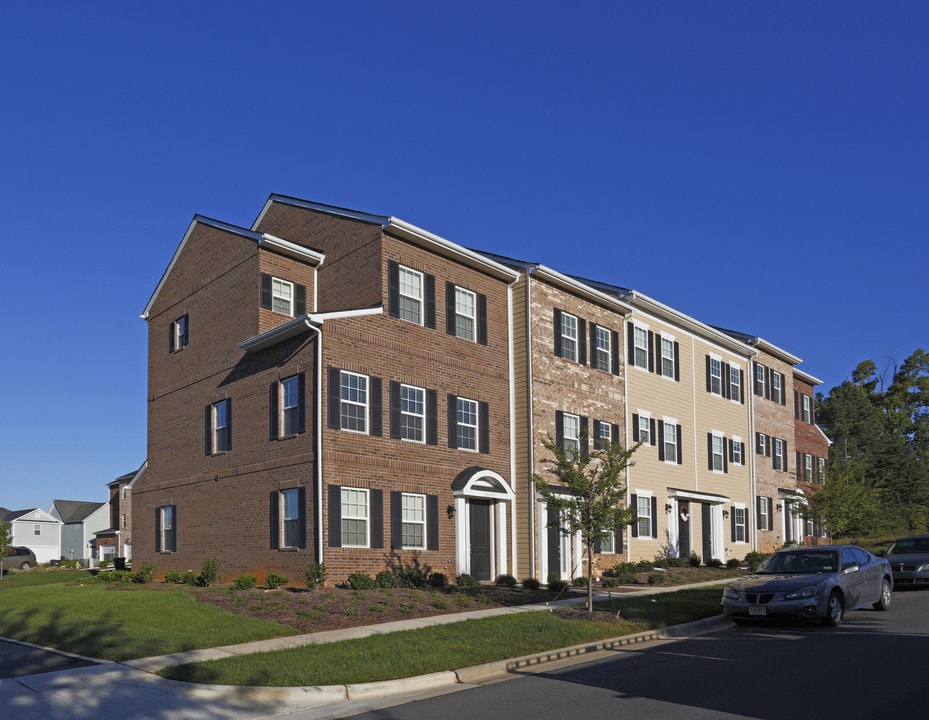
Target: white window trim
point(806, 411)
point(735, 381)
point(764, 512)
point(721, 366)
point(459, 424)
point(575, 439)
point(355, 403)
point(777, 386)
point(282, 534)
point(637, 327)
point(405, 413)
point(718, 436)
point(366, 517)
point(217, 431)
point(777, 454)
point(417, 299)
point(277, 297)
point(672, 423)
point(670, 340)
point(407, 521)
point(282, 420)
point(737, 442)
point(607, 350)
point(738, 508)
point(567, 337)
point(646, 495)
point(646, 418)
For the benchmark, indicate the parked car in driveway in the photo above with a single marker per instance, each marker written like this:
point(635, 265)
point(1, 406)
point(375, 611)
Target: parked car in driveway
point(816, 583)
point(18, 558)
point(909, 561)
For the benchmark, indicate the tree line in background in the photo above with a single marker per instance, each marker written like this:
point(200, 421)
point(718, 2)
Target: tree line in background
point(877, 479)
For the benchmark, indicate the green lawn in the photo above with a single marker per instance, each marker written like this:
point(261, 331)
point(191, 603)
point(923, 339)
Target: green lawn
point(64, 610)
point(446, 647)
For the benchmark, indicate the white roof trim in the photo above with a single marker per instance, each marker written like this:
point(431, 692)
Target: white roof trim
point(807, 378)
point(290, 249)
point(300, 325)
point(569, 283)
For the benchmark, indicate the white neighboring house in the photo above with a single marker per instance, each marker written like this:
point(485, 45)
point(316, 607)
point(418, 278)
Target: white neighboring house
point(36, 530)
point(81, 521)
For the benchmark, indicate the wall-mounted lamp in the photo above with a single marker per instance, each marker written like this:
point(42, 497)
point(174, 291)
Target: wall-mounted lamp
point(778, 508)
point(450, 511)
point(725, 514)
point(668, 507)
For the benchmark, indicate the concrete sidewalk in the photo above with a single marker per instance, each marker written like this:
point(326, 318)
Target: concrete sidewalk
point(131, 690)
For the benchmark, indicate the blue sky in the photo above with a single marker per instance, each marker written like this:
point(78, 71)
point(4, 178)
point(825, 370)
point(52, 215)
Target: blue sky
point(762, 166)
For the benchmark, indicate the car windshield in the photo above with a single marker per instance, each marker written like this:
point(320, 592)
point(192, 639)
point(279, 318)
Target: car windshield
point(909, 545)
point(792, 563)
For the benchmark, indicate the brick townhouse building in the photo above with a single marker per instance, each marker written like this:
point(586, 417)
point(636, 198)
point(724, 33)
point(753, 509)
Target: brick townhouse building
point(328, 386)
point(812, 448)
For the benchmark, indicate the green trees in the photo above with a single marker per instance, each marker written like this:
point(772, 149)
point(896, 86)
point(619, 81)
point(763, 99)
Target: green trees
point(879, 425)
point(5, 542)
point(589, 493)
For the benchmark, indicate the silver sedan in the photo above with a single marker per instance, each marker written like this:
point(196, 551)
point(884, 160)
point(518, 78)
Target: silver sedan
point(816, 583)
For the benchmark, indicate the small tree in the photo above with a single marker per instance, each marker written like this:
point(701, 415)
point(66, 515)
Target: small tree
point(844, 503)
point(5, 542)
point(591, 494)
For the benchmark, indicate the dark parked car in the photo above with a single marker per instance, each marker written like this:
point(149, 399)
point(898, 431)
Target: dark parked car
point(909, 561)
point(18, 558)
point(817, 583)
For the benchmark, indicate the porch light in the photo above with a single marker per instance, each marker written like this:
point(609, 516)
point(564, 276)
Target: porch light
point(450, 511)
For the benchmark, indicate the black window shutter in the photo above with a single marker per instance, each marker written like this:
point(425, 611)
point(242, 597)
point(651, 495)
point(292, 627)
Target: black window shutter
point(767, 445)
point(301, 403)
point(393, 288)
point(785, 468)
point(767, 383)
point(680, 445)
point(450, 308)
point(677, 361)
point(275, 519)
point(799, 466)
point(709, 445)
point(584, 439)
point(618, 535)
point(483, 414)
point(228, 431)
point(742, 390)
point(172, 334)
point(377, 518)
point(634, 501)
point(614, 355)
point(582, 341)
point(732, 525)
point(432, 522)
point(301, 505)
point(396, 520)
point(208, 430)
point(430, 301)
point(635, 427)
point(661, 440)
point(335, 398)
point(614, 432)
point(597, 444)
point(557, 325)
point(266, 291)
point(597, 547)
point(593, 344)
point(158, 547)
point(654, 516)
point(652, 436)
point(725, 383)
point(335, 516)
point(758, 512)
point(394, 401)
point(770, 513)
point(452, 421)
point(432, 418)
point(376, 405)
point(299, 299)
point(481, 319)
point(273, 422)
point(796, 405)
point(630, 343)
point(727, 449)
point(651, 353)
point(559, 428)
point(709, 382)
point(659, 365)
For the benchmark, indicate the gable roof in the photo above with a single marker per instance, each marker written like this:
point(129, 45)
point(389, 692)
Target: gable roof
point(75, 511)
point(29, 515)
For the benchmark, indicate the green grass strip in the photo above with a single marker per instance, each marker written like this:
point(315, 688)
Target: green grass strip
point(445, 647)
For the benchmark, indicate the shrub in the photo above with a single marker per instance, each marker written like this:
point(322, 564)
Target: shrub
point(610, 582)
point(388, 579)
point(531, 584)
point(112, 576)
point(413, 578)
point(273, 580)
point(438, 580)
point(656, 579)
point(507, 581)
point(245, 581)
point(754, 558)
point(694, 559)
point(644, 565)
point(190, 578)
point(466, 581)
point(173, 576)
point(580, 582)
point(144, 574)
point(209, 572)
point(557, 585)
point(315, 575)
point(361, 581)
point(732, 564)
point(714, 562)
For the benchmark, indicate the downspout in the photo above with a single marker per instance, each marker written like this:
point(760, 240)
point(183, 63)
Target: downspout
point(512, 393)
point(318, 440)
point(530, 426)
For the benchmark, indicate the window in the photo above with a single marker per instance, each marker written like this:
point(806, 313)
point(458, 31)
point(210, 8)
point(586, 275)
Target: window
point(739, 524)
point(718, 449)
point(669, 441)
point(608, 542)
point(282, 296)
point(668, 360)
point(180, 333)
point(411, 295)
point(761, 444)
point(764, 513)
point(465, 313)
point(467, 430)
point(644, 427)
point(122, 521)
point(820, 469)
point(603, 435)
point(715, 372)
point(808, 467)
point(779, 454)
point(292, 405)
point(737, 451)
point(413, 510)
point(571, 434)
point(777, 389)
point(37, 529)
point(354, 517)
point(125, 491)
point(166, 528)
point(644, 513)
point(220, 416)
point(353, 390)
point(735, 384)
point(603, 343)
point(412, 413)
point(291, 518)
point(568, 336)
point(759, 380)
point(640, 347)
point(807, 412)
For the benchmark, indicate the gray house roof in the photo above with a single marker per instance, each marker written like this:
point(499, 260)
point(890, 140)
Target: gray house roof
point(75, 511)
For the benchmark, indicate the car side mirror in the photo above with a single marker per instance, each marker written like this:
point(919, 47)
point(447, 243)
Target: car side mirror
point(849, 568)
point(881, 553)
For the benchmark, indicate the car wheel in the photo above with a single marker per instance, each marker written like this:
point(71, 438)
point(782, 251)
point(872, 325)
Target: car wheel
point(25, 566)
point(835, 610)
point(886, 596)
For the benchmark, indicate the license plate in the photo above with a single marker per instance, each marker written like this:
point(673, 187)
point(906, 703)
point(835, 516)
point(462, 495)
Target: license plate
point(757, 610)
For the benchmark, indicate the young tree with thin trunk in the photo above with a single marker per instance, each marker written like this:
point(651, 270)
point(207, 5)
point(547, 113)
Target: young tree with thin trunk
point(588, 493)
point(5, 543)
